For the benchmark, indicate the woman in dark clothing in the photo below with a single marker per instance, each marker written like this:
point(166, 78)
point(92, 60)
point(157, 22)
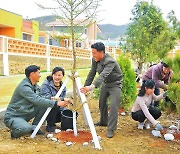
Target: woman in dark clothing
point(49, 89)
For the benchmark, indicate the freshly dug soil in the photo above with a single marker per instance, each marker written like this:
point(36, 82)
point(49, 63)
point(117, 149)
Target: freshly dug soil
point(127, 140)
point(68, 136)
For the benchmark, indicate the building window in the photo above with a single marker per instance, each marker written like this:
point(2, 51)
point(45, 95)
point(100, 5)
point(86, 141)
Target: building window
point(85, 31)
point(66, 43)
point(78, 44)
point(27, 37)
point(53, 42)
point(50, 42)
point(41, 39)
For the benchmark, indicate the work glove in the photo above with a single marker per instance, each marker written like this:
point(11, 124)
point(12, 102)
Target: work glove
point(158, 127)
point(165, 94)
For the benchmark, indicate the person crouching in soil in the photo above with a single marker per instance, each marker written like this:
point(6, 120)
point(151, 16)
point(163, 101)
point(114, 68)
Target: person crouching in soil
point(27, 103)
point(143, 110)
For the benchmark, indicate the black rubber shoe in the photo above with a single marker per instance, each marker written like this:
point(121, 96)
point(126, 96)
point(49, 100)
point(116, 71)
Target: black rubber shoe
point(110, 134)
point(100, 124)
point(50, 128)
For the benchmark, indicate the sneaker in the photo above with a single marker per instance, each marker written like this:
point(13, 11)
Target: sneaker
point(100, 124)
point(147, 124)
point(140, 125)
point(50, 128)
point(110, 134)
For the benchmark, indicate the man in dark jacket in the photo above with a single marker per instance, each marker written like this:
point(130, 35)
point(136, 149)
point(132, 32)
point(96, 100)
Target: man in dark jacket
point(161, 74)
point(26, 104)
point(110, 76)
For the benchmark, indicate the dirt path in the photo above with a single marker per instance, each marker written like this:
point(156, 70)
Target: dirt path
point(128, 139)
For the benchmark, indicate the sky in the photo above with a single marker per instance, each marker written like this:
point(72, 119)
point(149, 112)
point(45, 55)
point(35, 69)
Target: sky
point(117, 12)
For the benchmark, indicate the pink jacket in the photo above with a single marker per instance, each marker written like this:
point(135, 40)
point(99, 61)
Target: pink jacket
point(155, 72)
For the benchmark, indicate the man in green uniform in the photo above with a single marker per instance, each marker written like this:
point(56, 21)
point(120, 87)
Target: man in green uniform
point(110, 75)
point(26, 104)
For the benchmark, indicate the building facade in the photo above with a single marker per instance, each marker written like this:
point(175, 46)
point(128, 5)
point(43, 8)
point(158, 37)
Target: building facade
point(13, 25)
point(85, 32)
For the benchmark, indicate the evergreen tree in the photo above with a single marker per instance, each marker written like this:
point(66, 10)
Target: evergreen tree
point(129, 82)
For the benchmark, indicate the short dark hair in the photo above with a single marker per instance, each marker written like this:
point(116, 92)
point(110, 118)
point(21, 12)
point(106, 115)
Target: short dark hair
point(165, 64)
point(150, 84)
point(99, 46)
point(56, 69)
point(30, 69)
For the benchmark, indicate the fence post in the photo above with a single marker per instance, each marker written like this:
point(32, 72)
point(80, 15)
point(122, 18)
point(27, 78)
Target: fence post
point(5, 56)
point(48, 57)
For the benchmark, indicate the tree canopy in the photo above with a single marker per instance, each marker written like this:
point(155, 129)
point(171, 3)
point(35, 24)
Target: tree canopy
point(149, 36)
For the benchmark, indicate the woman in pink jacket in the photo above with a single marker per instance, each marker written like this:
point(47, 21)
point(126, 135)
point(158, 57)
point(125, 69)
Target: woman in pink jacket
point(142, 108)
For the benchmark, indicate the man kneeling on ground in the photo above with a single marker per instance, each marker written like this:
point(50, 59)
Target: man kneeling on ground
point(26, 104)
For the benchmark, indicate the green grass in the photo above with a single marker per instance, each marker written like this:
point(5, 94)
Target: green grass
point(8, 84)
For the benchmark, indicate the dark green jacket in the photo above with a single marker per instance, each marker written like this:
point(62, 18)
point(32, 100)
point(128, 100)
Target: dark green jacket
point(109, 73)
point(24, 100)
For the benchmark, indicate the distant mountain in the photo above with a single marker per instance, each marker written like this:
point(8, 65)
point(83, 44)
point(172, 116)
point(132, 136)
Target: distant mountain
point(107, 30)
point(43, 20)
point(111, 31)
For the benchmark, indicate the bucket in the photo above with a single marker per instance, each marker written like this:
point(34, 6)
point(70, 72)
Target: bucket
point(67, 119)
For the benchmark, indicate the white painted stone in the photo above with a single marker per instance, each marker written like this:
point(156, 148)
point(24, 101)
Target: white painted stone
point(68, 143)
point(85, 143)
point(123, 113)
point(57, 131)
point(49, 135)
point(156, 133)
point(54, 139)
point(172, 127)
point(68, 130)
point(169, 137)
